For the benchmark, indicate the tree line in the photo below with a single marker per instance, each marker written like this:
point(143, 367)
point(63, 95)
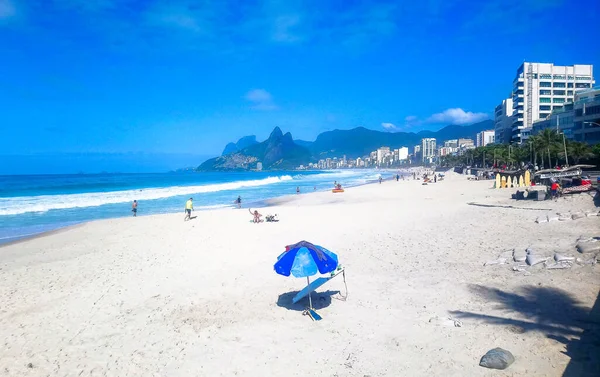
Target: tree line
point(546, 149)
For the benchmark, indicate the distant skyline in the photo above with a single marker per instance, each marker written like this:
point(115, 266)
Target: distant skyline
point(185, 77)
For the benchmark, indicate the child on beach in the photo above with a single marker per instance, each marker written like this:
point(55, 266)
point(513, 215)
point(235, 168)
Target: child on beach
point(134, 208)
point(256, 216)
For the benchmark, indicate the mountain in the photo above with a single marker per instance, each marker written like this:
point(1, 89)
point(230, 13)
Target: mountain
point(360, 141)
point(455, 132)
point(303, 143)
point(277, 152)
point(244, 142)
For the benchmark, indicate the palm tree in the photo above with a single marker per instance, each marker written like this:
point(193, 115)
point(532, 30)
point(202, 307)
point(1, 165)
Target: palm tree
point(579, 151)
point(547, 139)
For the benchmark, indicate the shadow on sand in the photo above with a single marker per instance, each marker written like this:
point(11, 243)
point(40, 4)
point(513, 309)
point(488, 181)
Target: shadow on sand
point(553, 312)
point(319, 300)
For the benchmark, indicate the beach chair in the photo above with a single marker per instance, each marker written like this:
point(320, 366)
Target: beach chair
point(311, 287)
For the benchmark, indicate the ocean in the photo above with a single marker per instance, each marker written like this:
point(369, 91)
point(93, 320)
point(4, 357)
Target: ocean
point(32, 204)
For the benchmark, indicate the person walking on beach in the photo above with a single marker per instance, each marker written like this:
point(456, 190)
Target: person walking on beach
point(189, 207)
point(134, 208)
point(239, 201)
point(397, 177)
point(380, 179)
point(435, 178)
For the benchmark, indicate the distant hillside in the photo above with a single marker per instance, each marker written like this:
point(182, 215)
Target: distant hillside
point(303, 143)
point(244, 142)
point(277, 152)
point(360, 141)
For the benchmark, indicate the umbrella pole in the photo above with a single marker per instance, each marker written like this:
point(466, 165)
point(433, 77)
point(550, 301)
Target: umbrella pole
point(309, 299)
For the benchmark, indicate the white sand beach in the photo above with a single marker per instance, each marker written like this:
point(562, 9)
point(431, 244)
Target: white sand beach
point(157, 296)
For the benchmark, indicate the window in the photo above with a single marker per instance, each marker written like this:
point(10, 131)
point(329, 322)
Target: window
point(557, 107)
point(569, 92)
point(570, 77)
point(580, 85)
point(545, 84)
point(544, 100)
point(559, 84)
point(520, 91)
point(545, 92)
point(559, 92)
point(558, 100)
point(577, 78)
point(569, 85)
point(560, 77)
point(544, 115)
point(545, 108)
point(545, 76)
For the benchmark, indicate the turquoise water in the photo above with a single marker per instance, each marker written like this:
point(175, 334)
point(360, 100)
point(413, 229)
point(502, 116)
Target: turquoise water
point(33, 204)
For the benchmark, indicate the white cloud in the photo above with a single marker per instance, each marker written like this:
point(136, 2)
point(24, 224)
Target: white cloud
point(457, 116)
point(7, 9)
point(410, 118)
point(261, 100)
point(388, 126)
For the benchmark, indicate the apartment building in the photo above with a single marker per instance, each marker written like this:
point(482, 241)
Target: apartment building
point(540, 88)
point(428, 149)
point(484, 138)
point(503, 121)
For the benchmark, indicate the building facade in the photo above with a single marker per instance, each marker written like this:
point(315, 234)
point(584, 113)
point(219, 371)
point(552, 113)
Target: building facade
point(503, 121)
point(484, 138)
point(428, 149)
point(540, 88)
point(586, 122)
point(382, 153)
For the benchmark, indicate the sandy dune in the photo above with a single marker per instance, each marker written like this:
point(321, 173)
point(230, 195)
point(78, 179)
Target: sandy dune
point(156, 296)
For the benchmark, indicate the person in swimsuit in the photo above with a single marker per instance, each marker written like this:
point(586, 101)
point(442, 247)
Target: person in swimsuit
point(134, 208)
point(189, 207)
point(239, 201)
point(298, 190)
point(256, 216)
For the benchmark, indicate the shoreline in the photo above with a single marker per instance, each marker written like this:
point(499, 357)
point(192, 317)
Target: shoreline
point(47, 233)
point(264, 203)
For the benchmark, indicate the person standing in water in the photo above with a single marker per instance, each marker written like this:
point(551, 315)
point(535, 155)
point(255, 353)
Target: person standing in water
point(380, 179)
point(134, 208)
point(298, 190)
point(239, 201)
point(189, 207)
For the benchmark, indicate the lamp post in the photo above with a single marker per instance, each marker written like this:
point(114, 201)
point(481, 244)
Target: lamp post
point(565, 146)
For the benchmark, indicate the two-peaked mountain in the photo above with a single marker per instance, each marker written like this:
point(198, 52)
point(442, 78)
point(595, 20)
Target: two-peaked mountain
point(277, 152)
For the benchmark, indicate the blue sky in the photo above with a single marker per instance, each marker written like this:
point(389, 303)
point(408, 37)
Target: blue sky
point(184, 77)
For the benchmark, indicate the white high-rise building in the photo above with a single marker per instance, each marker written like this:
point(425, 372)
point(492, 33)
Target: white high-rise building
point(428, 149)
point(503, 121)
point(403, 153)
point(484, 138)
point(540, 88)
point(381, 153)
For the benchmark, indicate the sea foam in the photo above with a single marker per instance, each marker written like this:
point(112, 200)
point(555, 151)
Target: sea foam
point(44, 203)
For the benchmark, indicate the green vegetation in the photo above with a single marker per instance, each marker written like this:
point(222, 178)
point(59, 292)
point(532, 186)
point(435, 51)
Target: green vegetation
point(546, 150)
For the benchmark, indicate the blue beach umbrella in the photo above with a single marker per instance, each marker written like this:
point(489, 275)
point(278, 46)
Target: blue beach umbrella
point(305, 259)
